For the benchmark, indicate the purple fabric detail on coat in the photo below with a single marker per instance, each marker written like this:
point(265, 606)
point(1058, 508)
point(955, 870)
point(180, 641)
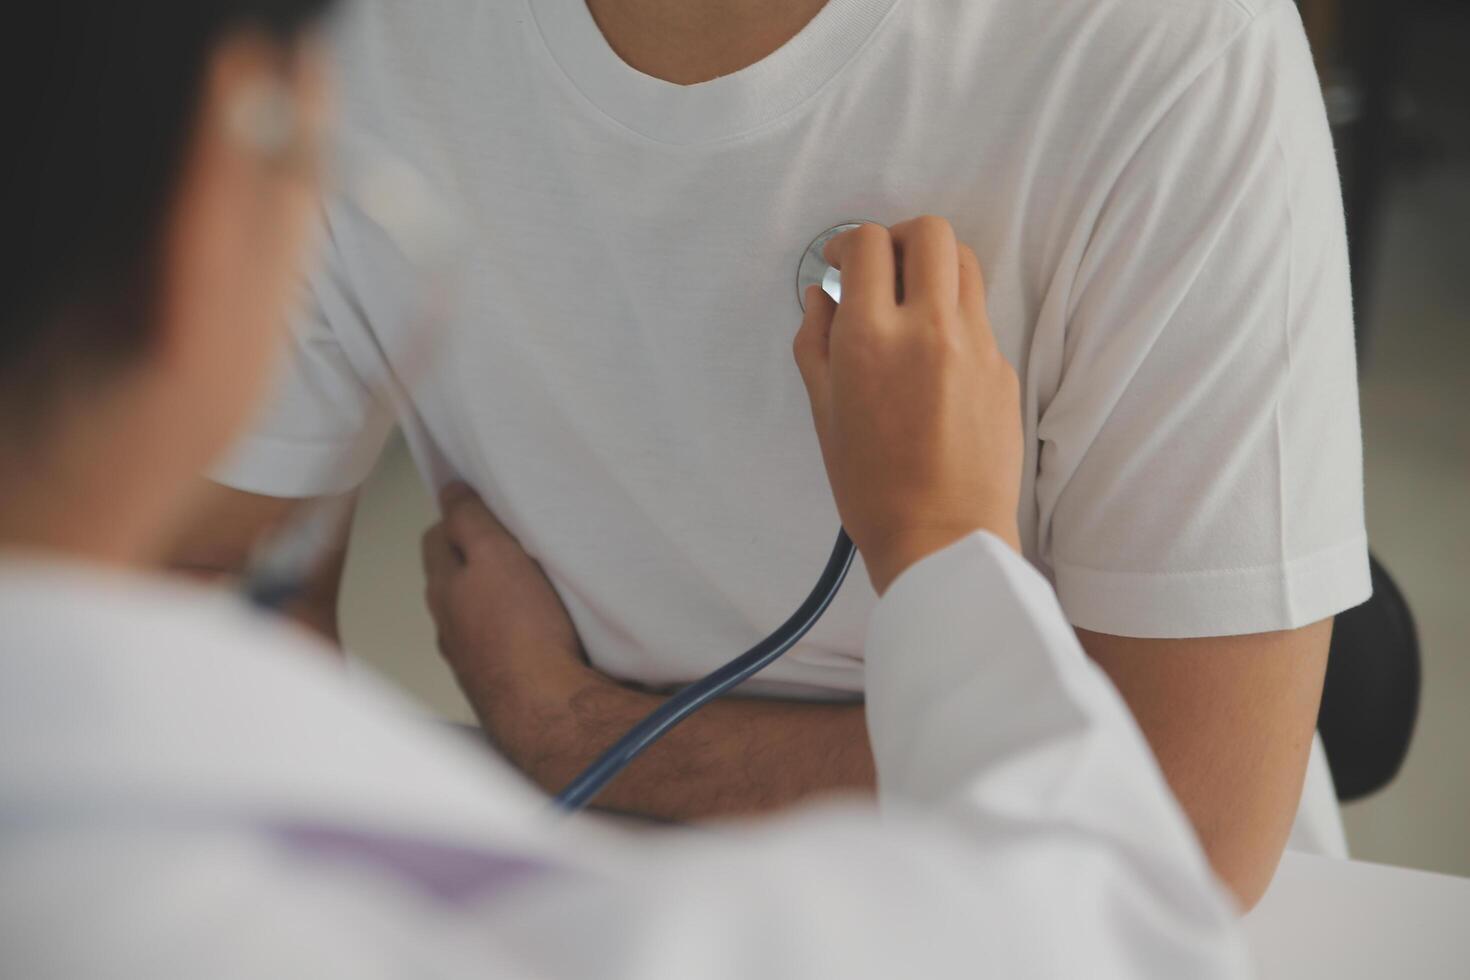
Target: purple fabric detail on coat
point(450, 873)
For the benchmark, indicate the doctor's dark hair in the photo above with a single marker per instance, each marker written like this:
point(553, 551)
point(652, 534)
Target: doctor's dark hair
point(99, 100)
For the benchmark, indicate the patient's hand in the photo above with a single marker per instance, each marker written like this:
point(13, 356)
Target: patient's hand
point(501, 626)
point(517, 656)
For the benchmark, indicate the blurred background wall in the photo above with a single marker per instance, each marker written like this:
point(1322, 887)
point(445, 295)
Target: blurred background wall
point(1413, 270)
point(1397, 79)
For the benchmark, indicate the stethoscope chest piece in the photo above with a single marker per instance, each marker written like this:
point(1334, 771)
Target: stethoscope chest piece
point(814, 270)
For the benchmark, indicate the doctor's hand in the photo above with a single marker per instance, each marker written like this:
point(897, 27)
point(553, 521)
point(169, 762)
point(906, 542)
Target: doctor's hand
point(917, 412)
point(501, 626)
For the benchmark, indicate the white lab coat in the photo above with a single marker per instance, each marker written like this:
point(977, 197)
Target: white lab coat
point(188, 790)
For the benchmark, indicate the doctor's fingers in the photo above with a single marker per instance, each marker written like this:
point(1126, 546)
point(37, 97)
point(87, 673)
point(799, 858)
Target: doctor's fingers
point(812, 344)
point(972, 295)
point(865, 257)
point(930, 258)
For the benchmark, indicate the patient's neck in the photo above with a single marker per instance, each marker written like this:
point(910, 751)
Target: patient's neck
point(692, 41)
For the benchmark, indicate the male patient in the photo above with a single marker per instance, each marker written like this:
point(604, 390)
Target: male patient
point(1151, 191)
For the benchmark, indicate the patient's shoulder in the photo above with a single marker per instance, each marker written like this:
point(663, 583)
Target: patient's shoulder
point(1140, 29)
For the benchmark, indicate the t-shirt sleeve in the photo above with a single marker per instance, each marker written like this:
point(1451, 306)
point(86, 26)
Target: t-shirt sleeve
point(323, 426)
point(1200, 460)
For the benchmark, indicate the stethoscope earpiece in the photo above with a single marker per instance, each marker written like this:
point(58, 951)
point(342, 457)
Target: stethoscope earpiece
point(814, 270)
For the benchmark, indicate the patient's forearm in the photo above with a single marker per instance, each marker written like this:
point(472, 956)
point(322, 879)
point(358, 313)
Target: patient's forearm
point(737, 756)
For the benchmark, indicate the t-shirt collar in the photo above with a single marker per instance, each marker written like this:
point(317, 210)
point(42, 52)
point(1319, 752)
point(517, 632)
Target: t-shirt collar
point(723, 108)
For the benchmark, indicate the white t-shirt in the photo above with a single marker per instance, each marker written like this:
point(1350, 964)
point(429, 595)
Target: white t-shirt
point(1151, 190)
point(187, 790)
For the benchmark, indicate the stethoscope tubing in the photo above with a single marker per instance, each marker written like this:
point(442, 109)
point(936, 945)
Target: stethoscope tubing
point(687, 700)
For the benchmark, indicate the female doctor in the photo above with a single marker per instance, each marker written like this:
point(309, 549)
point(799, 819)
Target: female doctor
point(188, 789)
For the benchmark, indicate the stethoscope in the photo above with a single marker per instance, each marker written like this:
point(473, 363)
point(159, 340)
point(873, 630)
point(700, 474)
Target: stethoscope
point(812, 270)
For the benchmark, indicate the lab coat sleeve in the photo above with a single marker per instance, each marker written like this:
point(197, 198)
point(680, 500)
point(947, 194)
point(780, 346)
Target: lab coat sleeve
point(982, 701)
point(1026, 830)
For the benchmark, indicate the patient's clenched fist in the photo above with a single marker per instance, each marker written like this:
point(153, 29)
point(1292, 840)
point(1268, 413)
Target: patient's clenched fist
point(502, 627)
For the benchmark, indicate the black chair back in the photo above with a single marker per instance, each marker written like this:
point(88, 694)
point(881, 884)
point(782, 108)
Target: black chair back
point(1370, 702)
